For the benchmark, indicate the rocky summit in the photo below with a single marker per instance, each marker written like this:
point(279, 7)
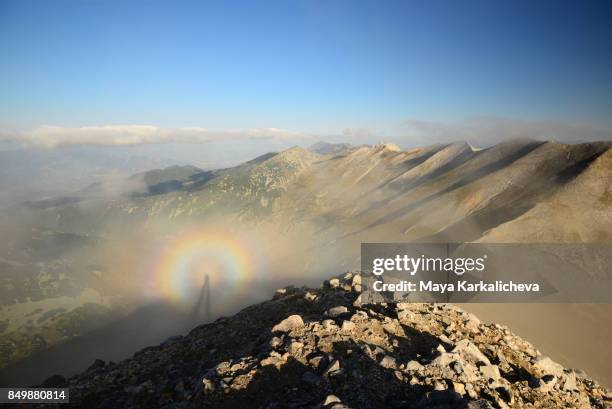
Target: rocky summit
point(323, 348)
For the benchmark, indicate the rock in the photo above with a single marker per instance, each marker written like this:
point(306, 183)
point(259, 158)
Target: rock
point(459, 388)
point(470, 352)
point(387, 362)
point(445, 339)
point(222, 367)
point(445, 359)
point(315, 361)
point(275, 342)
point(547, 383)
point(328, 324)
point(238, 366)
point(378, 351)
point(356, 280)
point(479, 404)
point(334, 366)
point(337, 311)
point(348, 326)
point(334, 283)
point(310, 296)
point(359, 314)
point(472, 323)
point(570, 382)
point(288, 324)
point(469, 388)
point(439, 386)
point(208, 385)
point(545, 366)
point(272, 360)
point(295, 347)
point(331, 399)
point(490, 373)
point(414, 366)
point(466, 371)
point(404, 315)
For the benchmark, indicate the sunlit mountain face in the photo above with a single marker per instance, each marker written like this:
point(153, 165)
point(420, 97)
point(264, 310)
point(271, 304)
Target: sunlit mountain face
point(75, 264)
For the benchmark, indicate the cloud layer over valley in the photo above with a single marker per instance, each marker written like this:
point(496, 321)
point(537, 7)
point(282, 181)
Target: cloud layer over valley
point(49, 136)
point(482, 131)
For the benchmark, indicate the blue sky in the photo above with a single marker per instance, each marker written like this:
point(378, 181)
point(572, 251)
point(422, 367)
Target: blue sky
point(304, 66)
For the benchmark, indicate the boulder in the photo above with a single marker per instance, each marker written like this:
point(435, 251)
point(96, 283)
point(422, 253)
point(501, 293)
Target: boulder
point(490, 373)
point(331, 399)
point(388, 362)
point(328, 324)
point(470, 352)
point(459, 388)
point(414, 366)
point(570, 382)
point(337, 311)
point(289, 324)
point(348, 326)
point(543, 365)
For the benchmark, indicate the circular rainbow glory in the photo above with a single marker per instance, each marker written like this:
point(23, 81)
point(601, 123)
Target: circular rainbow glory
point(185, 259)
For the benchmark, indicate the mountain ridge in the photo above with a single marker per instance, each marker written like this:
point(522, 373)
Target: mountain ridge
point(323, 348)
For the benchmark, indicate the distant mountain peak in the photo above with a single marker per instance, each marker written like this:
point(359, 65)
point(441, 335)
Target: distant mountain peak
point(387, 147)
point(326, 148)
point(294, 155)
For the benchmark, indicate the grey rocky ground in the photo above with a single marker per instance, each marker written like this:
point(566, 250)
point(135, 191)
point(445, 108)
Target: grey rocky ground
point(321, 348)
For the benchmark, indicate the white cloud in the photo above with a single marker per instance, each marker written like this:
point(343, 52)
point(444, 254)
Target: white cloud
point(486, 131)
point(479, 131)
point(56, 136)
